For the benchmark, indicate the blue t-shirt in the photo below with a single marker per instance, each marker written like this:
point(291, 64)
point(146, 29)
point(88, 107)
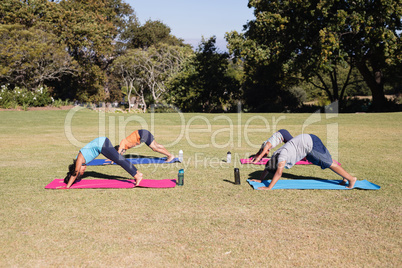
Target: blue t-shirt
point(93, 149)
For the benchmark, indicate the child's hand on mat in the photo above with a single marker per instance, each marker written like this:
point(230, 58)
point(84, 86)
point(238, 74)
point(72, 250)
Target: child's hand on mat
point(138, 178)
point(263, 188)
point(109, 162)
point(254, 160)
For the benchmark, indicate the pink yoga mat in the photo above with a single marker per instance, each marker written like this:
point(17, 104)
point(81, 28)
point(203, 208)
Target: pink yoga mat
point(265, 160)
point(111, 184)
point(157, 183)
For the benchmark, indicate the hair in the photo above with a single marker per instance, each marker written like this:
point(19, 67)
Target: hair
point(272, 164)
point(71, 171)
point(117, 147)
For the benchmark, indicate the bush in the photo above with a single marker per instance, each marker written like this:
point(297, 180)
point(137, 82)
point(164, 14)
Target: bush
point(293, 98)
point(10, 98)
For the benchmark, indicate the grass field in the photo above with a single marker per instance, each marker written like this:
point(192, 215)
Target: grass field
point(209, 222)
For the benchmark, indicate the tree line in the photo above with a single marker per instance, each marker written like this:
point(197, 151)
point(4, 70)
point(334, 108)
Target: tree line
point(292, 51)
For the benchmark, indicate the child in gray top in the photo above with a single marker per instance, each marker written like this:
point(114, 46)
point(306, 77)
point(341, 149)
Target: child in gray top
point(304, 145)
point(277, 138)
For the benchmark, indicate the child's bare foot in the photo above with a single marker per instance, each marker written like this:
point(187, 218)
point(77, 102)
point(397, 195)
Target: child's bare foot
point(352, 183)
point(263, 188)
point(256, 180)
point(138, 178)
point(170, 158)
point(137, 181)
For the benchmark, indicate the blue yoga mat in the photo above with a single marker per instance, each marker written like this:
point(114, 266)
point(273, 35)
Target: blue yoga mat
point(314, 185)
point(134, 161)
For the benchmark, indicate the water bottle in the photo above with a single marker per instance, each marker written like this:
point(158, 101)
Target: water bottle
point(237, 176)
point(180, 177)
point(181, 156)
point(229, 157)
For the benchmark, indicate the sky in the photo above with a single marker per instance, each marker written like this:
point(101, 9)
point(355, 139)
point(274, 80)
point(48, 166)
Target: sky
point(193, 19)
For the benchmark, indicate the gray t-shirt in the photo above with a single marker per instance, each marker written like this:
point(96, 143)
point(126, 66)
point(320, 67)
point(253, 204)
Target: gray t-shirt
point(275, 139)
point(295, 150)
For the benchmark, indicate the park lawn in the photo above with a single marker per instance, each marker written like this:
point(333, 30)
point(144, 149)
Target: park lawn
point(209, 222)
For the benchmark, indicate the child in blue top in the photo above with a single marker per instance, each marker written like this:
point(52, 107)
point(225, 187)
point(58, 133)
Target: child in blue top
point(89, 152)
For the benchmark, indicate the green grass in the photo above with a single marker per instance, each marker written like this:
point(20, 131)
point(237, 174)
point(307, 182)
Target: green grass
point(209, 222)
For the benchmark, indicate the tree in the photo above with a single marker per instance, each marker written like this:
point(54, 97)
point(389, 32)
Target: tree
point(94, 33)
point(374, 47)
point(31, 57)
point(128, 68)
point(318, 86)
point(87, 29)
point(264, 83)
point(150, 34)
point(310, 37)
point(334, 82)
point(145, 71)
point(163, 62)
point(27, 13)
point(204, 84)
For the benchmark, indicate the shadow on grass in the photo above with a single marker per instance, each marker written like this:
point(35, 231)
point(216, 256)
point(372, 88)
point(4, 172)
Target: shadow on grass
point(137, 156)
point(232, 182)
point(256, 175)
point(98, 175)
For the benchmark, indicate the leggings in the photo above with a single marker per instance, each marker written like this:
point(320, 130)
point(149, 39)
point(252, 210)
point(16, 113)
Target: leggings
point(110, 152)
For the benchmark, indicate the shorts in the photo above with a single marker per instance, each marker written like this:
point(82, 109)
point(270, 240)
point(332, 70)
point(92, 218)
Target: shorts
point(146, 136)
point(286, 135)
point(319, 155)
